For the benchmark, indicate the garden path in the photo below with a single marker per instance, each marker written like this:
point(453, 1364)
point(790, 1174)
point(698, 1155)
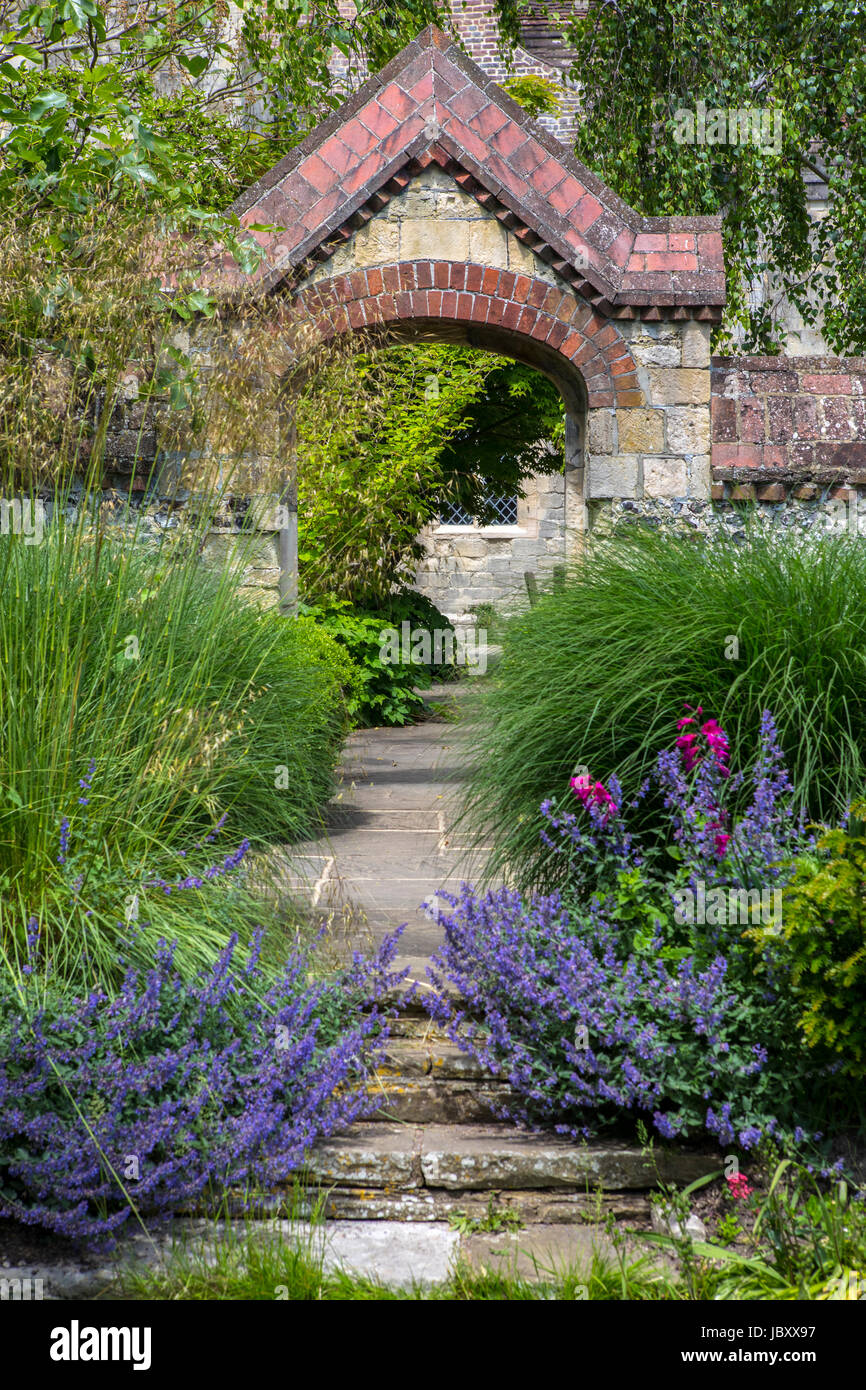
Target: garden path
point(389, 845)
point(436, 1148)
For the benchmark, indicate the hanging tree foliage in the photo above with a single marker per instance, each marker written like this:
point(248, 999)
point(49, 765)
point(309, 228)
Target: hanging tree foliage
point(639, 64)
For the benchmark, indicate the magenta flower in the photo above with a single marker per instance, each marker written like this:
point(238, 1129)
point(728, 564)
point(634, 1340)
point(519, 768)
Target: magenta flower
point(738, 1186)
point(689, 745)
point(593, 793)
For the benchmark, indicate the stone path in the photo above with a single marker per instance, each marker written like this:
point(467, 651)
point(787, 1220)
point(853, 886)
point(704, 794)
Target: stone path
point(389, 846)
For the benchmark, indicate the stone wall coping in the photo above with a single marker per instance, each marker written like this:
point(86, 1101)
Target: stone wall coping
point(781, 363)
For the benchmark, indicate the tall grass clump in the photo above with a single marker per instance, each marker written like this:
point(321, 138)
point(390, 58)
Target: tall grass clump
point(595, 675)
point(138, 670)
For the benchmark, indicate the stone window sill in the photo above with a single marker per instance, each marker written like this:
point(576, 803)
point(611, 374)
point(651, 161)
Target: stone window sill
point(492, 533)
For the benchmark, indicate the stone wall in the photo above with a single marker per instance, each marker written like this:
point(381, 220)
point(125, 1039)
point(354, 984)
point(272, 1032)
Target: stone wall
point(661, 447)
point(466, 566)
point(141, 488)
point(787, 421)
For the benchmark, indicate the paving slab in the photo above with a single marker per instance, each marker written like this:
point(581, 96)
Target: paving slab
point(396, 1253)
point(388, 846)
point(538, 1251)
point(369, 1155)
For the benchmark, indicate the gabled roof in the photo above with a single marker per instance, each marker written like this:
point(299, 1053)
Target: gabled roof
point(431, 103)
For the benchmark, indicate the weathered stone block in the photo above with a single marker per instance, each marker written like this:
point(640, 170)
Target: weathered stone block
point(700, 476)
point(665, 477)
point(641, 431)
point(649, 353)
point(488, 243)
point(696, 344)
point(688, 429)
point(679, 385)
point(600, 431)
point(613, 475)
point(378, 243)
point(469, 547)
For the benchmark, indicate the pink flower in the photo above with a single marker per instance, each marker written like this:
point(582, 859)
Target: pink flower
point(582, 787)
point(738, 1186)
point(722, 845)
point(688, 744)
point(593, 793)
point(717, 740)
point(687, 718)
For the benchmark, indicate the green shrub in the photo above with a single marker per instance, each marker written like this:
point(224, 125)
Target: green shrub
point(596, 672)
point(822, 940)
point(385, 436)
point(383, 691)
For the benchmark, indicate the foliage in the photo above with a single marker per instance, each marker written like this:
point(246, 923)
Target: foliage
point(382, 691)
point(172, 1091)
point(80, 89)
point(821, 938)
point(638, 63)
point(383, 434)
point(597, 670)
point(539, 95)
point(495, 1220)
point(608, 999)
point(131, 653)
point(804, 1241)
point(370, 428)
point(515, 427)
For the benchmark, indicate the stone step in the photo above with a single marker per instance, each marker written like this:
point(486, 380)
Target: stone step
point(493, 1157)
point(412, 1026)
point(532, 1206)
point(427, 1100)
point(430, 1056)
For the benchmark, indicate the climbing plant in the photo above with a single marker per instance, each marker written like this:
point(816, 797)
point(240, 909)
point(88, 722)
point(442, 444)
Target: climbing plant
point(643, 68)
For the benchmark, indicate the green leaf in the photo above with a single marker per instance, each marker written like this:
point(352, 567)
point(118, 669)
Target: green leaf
point(51, 101)
point(193, 63)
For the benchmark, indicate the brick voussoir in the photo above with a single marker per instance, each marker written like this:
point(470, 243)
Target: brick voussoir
point(449, 303)
point(419, 304)
point(526, 322)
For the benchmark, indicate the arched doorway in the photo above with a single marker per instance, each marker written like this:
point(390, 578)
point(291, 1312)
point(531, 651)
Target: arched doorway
point(432, 204)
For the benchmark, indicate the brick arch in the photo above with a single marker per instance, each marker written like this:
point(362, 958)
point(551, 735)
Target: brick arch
point(518, 314)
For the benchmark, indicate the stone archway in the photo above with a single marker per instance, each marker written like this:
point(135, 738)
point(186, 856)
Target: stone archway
point(432, 203)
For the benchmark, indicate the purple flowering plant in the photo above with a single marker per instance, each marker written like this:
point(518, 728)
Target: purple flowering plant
point(605, 1002)
point(170, 1093)
point(147, 1077)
